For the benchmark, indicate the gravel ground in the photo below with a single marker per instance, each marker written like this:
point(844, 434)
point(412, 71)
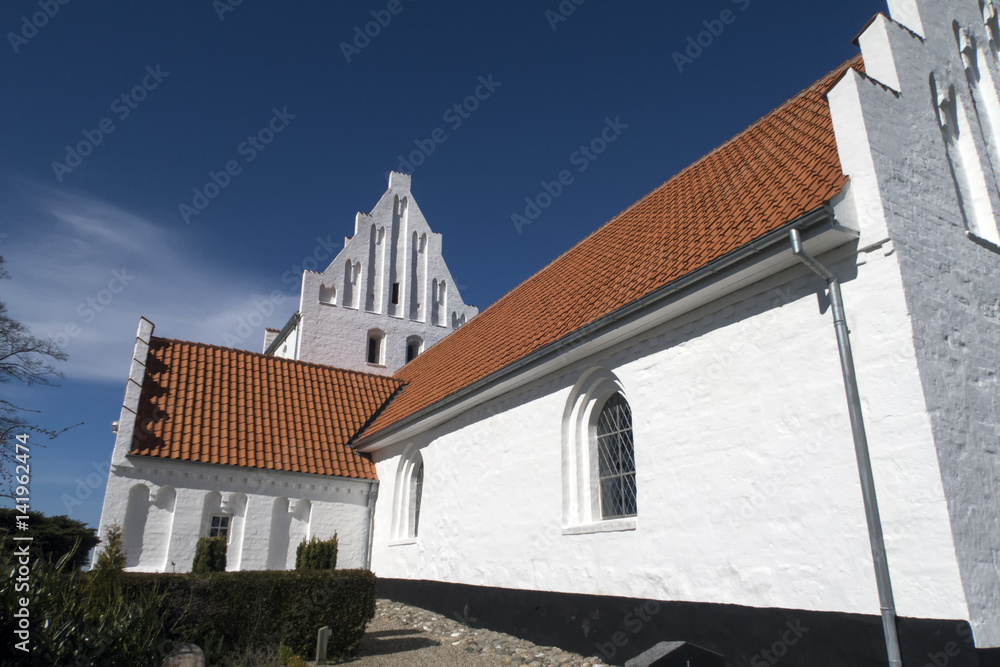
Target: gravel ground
point(404, 636)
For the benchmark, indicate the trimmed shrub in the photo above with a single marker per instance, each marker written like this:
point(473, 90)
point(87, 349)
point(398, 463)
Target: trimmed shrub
point(316, 554)
point(112, 558)
point(243, 610)
point(210, 555)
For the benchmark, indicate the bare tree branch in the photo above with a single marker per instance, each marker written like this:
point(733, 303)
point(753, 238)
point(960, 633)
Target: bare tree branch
point(26, 359)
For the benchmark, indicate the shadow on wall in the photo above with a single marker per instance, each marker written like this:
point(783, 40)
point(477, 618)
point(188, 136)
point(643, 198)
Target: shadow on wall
point(618, 629)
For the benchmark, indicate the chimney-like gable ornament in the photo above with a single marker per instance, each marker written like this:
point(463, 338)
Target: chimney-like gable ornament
point(990, 21)
point(944, 105)
point(968, 49)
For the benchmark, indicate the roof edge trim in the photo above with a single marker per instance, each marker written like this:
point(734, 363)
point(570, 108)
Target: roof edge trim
point(814, 218)
point(283, 334)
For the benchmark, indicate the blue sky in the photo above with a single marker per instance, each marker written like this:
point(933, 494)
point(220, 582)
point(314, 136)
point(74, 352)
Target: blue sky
point(114, 116)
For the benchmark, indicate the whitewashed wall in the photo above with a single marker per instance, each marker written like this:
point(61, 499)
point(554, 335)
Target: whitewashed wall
point(747, 481)
point(748, 487)
point(164, 508)
point(932, 124)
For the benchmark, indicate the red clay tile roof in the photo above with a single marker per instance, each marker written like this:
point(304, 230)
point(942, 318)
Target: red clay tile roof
point(214, 404)
point(782, 167)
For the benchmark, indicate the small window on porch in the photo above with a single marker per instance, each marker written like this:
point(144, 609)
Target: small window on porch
point(219, 526)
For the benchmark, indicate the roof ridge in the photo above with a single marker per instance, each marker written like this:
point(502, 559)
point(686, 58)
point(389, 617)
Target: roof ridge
point(312, 364)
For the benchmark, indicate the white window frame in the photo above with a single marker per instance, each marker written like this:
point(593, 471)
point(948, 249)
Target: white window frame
point(407, 498)
point(377, 335)
point(413, 341)
point(580, 467)
point(228, 527)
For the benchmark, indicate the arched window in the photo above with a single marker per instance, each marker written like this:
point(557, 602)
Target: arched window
point(598, 466)
point(376, 347)
point(616, 458)
point(408, 496)
point(414, 346)
point(416, 494)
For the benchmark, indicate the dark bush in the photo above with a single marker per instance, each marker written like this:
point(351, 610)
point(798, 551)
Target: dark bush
point(316, 554)
point(77, 618)
point(242, 610)
point(210, 555)
point(54, 536)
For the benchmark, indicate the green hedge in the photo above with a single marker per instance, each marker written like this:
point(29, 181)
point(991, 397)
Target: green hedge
point(210, 555)
point(236, 610)
point(316, 554)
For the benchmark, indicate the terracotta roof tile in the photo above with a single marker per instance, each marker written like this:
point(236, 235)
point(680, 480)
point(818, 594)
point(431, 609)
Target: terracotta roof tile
point(782, 167)
point(218, 405)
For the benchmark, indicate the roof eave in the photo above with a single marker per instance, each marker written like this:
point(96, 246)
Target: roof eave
point(812, 224)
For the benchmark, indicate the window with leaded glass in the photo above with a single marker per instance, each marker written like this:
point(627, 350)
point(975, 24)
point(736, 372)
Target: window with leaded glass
point(616, 459)
point(417, 490)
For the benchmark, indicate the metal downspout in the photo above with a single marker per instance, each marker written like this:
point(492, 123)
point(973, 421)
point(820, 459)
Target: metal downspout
point(372, 497)
point(861, 449)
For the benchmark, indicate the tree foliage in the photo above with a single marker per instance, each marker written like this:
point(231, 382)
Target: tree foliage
point(52, 536)
point(25, 359)
point(111, 560)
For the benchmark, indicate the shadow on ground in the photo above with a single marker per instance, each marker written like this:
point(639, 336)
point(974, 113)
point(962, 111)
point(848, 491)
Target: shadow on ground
point(386, 642)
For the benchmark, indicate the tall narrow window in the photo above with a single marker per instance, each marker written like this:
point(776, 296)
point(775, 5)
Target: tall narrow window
point(417, 492)
point(395, 293)
point(376, 339)
point(413, 345)
point(407, 499)
point(616, 459)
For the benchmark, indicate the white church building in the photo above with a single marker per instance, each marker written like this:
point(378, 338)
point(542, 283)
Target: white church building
point(677, 438)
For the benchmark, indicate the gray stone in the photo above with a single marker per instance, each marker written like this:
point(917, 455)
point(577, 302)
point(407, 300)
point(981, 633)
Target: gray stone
point(185, 655)
point(679, 654)
point(322, 642)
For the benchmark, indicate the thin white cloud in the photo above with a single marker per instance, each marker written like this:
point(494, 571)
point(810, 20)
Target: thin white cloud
point(84, 271)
